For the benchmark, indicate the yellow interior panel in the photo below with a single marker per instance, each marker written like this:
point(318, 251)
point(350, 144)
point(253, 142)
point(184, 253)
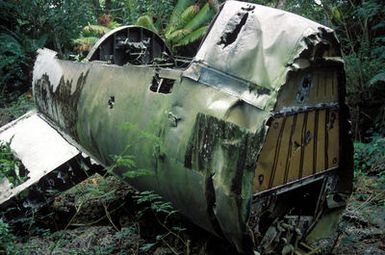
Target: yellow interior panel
point(298, 146)
point(262, 178)
point(308, 144)
point(283, 154)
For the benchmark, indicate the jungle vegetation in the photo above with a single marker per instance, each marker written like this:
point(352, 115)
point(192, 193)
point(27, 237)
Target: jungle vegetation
point(71, 27)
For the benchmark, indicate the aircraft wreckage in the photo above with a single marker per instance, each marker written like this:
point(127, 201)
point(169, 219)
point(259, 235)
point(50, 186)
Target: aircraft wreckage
point(249, 139)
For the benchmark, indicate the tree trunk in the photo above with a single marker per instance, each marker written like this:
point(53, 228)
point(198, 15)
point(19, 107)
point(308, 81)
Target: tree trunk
point(57, 46)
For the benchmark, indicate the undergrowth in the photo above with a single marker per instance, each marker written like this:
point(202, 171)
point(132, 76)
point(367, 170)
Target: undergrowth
point(10, 168)
point(369, 173)
point(7, 239)
point(369, 158)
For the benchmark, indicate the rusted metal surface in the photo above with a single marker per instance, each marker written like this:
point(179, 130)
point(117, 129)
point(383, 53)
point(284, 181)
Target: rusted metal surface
point(252, 134)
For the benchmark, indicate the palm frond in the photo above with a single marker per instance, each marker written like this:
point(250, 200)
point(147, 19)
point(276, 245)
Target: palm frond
point(147, 22)
point(113, 24)
point(202, 18)
point(85, 43)
point(177, 35)
point(192, 37)
point(180, 7)
point(10, 44)
point(95, 30)
point(185, 17)
point(86, 40)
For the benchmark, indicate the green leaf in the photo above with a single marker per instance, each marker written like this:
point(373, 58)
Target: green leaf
point(380, 77)
point(137, 173)
point(39, 43)
point(85, 43)
point(202, 18)
point(9, 44)
point(147, 22)
point(180, 7)
point(184, 19)
point(336, 13)
point(177, 35)
point(95, 30)
point(147, 246)
point(192, 37)
point(113, 24)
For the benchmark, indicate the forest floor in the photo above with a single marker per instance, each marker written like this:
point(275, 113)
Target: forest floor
point(102, 215)
point(88, 222)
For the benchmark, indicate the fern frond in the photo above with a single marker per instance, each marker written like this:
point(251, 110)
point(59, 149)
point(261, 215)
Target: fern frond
point(85, 43)
point(192, 37)
point(180, 7)
point(185, 17)
point(93, 30)
point(203, 17)
point(113, 24)
point(177, 35)
point(86, 40)
point(10, 44)
point(380, 77)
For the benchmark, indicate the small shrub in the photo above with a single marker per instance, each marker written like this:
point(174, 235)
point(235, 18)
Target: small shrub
point(7, 239)
point(369, 158)
point(10, 167)
point(154, 202)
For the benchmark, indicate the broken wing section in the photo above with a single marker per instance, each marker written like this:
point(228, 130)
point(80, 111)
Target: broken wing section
point(51, 162)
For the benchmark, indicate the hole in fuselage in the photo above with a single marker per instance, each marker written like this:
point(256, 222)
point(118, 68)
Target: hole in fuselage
point(161, 85)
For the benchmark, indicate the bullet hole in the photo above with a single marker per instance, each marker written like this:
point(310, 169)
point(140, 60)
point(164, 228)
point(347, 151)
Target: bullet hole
point(334, 161)
point(304, 89)
point(111, 102)
point(308, 137)
point(331, 121)
point(260, 179)
point(275, 125)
